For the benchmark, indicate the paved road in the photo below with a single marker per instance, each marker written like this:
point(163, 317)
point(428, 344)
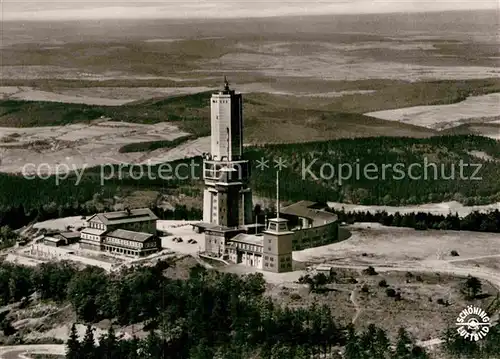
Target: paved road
point(24, 351)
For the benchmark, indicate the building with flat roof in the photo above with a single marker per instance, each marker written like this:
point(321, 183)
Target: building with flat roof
point(53, 241)
point(312, 224)
point(247, 249)
point(58, 239)
point(68, 237)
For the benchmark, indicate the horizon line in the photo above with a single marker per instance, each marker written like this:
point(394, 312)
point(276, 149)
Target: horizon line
point(222, 17)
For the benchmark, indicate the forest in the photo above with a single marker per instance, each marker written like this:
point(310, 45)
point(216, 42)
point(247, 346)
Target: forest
point(40, 198)
point(208, 315)
point(475, 221)
point(428, 184)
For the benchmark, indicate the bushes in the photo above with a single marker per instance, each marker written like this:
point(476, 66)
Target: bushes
point(383, 283)
point(370, 271)
point(472, 287)
point(391, 293)
point(441, 301)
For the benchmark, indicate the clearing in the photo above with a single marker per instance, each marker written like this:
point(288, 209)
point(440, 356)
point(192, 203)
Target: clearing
point(440, 117)
point(78, 145)
point(443, 208)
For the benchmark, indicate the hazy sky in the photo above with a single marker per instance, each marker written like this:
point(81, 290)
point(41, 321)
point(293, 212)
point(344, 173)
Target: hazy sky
point(140, 9)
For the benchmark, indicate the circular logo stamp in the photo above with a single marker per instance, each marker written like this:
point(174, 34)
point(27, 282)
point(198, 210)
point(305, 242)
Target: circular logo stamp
point(473, 323)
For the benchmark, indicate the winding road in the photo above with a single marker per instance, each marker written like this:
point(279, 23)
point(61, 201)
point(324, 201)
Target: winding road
point(355, 302)
point(24, 351)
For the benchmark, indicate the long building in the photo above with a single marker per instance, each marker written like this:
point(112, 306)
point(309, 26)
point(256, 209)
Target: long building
point(227, 202)
point(128, 233)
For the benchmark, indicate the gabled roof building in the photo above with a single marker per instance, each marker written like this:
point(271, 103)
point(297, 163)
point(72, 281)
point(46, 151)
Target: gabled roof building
point(129, 232)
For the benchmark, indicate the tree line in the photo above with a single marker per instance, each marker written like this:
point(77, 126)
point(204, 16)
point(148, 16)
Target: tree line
point(25, 200)
point(305, 162)
point(31, 198)
point(475, 221)
point(371, 343)
point(208, 315)
point(17, 217)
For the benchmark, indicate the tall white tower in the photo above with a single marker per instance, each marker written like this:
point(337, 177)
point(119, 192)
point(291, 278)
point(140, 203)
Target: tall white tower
point(227, 199)
point(227, 125)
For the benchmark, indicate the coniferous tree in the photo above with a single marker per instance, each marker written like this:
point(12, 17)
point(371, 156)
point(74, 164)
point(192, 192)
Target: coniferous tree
point(402, 345)
point(73, 347)
point(130, 349)
point(368, 342)
point(88, 348)
point(108, 345)
point(352, 349)
point(151, 347)
point(382, 344)
point(418, 353)
point(201, 351)
point(472, 287)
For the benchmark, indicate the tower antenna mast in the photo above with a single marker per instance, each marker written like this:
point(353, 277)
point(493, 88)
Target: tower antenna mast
point(277, 194)
point(228, 145)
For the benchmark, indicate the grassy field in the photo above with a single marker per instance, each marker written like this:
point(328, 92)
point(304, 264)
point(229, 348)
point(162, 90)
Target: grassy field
point(418, 311)
point(268, 118)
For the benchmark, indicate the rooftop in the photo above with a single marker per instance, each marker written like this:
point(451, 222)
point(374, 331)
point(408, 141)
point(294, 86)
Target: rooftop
point(306, 209)
point(324, 267)
point(279, 220)
point(70, 234)
point(121, 217)
point(248, 239)
point(253, 226)
point(130, 235)
point(215, 227)
point(52, 239)
point(93, 231)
